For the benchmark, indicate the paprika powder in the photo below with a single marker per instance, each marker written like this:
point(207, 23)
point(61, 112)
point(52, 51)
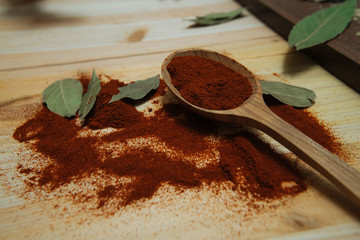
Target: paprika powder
point(207, 83)
point(136, 153)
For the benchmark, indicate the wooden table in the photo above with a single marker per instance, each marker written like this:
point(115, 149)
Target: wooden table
point(337, 56)
point(128, 40)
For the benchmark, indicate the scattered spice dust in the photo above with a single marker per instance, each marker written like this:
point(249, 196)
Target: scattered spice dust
point(133, 155)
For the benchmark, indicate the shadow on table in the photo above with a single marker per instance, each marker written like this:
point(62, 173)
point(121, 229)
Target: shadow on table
point(32, 12)
point(295, 63)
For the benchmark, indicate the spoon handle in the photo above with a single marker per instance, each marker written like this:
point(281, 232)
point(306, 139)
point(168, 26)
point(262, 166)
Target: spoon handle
point(331, 166)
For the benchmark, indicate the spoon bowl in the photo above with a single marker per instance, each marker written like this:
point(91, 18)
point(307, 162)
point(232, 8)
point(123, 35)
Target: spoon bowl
point(230, 115)
point(254, 113)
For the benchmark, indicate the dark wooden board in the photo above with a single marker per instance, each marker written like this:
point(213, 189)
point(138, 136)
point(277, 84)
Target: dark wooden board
point(340, 56)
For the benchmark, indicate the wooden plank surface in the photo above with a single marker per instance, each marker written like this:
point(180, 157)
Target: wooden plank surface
point(337, 55)
point(298, 10)
point(128, 40)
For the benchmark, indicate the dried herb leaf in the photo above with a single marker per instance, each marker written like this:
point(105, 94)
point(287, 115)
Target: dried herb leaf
point(137, 90)
point(89, 98)
point(322, 25)
point(289, 94)
point(64, 97)
point(216, 18)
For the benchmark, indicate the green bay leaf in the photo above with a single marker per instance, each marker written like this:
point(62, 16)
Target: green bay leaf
point(137, 90)
point(216, 18)
point(208, 21)
point(63, 97)
point(289, 94)
point(322, 25)
point(89, 98)
point(222, 15)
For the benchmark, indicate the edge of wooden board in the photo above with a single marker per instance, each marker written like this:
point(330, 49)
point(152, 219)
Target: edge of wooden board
point(337, 56)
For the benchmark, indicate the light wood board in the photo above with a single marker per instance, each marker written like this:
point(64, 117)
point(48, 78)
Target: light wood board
point(128, 40)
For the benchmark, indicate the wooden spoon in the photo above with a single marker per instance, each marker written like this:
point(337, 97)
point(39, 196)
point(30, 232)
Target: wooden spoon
point(254, 113)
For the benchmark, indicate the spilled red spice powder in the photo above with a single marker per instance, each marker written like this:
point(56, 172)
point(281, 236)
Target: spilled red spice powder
point(169, 145)
point(306, 122)
point(117, 114)
point(207, 83)
point(245, 156)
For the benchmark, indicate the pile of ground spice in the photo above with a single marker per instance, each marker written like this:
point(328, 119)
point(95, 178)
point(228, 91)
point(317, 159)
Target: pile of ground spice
point(306, 123)
point(137, 153)
point(221, 89)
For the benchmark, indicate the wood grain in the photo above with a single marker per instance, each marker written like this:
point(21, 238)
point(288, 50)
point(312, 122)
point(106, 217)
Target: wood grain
point(337, 55)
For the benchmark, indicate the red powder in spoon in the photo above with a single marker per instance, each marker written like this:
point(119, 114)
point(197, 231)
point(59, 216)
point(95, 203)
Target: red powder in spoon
point(207, 83)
